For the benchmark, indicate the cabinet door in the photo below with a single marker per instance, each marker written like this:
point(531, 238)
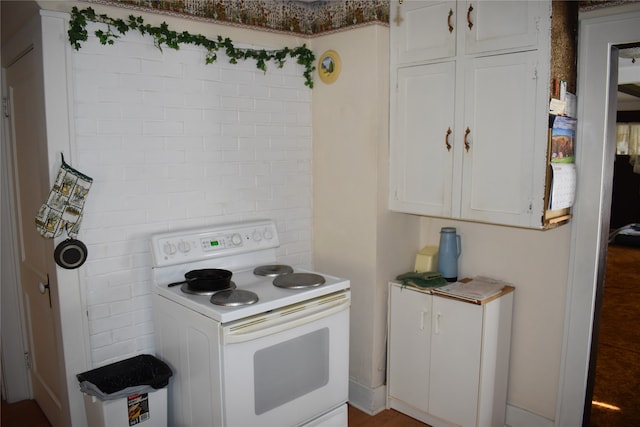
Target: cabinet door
point(409, 343)
point(456, 345)
point(422, 30)
point(499, 161)
point(422, 123)
point(498, 25)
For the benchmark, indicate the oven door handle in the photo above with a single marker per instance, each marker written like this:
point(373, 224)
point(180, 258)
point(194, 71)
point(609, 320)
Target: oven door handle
point(286, 318)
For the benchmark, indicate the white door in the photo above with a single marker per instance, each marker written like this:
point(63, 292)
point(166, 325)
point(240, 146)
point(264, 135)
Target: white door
point(496, 25)
point(409, 346)
point(500, 124)
point(455, 360)
point(422, 31)
point(37, 268)
point(422, 139)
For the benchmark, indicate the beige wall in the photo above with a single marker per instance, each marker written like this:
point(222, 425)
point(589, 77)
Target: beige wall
point(355, 235)
point(536, 262)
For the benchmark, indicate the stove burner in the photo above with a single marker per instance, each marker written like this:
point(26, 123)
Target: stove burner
point(234, 298)
point(188, 290)
point(298, 280)
point(272, 270)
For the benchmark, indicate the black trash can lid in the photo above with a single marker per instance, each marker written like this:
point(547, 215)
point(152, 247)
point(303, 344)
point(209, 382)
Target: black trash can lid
point(144, 369)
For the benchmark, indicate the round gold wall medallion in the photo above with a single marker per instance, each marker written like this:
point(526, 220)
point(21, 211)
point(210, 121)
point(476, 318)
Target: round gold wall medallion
point(329, 66)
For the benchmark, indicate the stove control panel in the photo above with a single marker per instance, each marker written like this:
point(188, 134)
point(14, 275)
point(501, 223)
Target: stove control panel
point(217, 242)
point(191, 245)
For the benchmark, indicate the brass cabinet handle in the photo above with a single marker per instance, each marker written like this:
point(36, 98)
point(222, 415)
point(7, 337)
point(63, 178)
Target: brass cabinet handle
point(446, 140)
point(466, 142)
point(449, 20)
point(469, 23)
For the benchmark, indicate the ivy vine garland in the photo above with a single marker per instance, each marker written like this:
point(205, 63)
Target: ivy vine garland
point(163, 36)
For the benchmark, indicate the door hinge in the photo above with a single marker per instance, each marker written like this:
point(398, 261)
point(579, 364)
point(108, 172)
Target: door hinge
point(27, 360)
point(5, 106)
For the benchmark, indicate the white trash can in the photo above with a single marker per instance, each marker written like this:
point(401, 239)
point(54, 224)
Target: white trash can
point(127, 393)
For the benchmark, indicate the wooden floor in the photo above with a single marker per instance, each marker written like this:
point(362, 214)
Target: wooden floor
point(617, 380)
point(388, 418)
point(25, 413)
point(28, 413)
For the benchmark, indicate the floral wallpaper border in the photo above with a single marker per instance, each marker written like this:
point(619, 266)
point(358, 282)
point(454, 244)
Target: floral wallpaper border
point(586, 5)
point(308, 18)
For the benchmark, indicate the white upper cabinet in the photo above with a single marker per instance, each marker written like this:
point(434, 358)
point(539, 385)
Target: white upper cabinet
point(491, 26)
point(469, 109)
point(423, 122)
point(428, 30)
point(504, 141)
point(423, 30)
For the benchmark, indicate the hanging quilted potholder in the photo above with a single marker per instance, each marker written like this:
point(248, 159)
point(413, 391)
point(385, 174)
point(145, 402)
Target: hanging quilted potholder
point(63, 209)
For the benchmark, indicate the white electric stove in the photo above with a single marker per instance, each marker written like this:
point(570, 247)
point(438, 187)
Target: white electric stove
point(271, 348)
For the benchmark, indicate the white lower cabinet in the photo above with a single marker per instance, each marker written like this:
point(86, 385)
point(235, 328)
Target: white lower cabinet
point(448, 359)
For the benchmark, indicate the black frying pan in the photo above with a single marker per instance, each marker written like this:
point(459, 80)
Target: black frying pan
point(70, 254)
point(207, 279)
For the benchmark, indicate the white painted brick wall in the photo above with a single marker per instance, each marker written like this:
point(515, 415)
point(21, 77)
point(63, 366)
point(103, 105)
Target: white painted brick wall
point(172, 142)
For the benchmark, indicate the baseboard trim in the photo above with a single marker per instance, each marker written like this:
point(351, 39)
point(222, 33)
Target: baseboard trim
point(518, 417)
point(374, 400)
point(369, 400)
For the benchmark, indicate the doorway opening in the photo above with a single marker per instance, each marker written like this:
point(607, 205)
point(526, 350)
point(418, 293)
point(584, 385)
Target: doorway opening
point(615, 372)
point(600, 32)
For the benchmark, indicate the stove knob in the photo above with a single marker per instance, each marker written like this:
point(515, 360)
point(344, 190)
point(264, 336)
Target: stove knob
point(169, 249)
point(257, 236)
point(268, 235)
point(184, 247)
point(236, 239)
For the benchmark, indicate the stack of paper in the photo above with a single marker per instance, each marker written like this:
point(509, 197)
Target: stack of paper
point(477, 289)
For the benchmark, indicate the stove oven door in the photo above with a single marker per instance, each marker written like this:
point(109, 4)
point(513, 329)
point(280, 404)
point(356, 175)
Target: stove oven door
point(289, 366)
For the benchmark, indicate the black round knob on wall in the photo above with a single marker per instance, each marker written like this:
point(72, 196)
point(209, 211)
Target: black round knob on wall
point(70, 254)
